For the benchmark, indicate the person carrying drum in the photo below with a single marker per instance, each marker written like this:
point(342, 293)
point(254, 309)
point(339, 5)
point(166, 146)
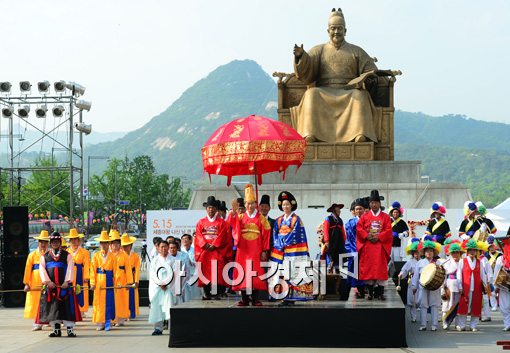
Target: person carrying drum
point(428, 295)
point(407, 271)
point(472, 282)
point(493, 253)
point(450, 291)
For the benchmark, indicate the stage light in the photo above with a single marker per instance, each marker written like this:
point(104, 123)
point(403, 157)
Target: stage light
point(59, 86)
point(23, 111)
point(41, 111)
point(78, 90)
point(7, 111)
point(5, 87)
point(43, 86)
point(58, 111)
point(82, 127)
point(83, 105)
point(25, 86)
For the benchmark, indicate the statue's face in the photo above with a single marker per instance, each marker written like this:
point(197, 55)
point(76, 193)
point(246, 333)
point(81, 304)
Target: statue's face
point(336, 30)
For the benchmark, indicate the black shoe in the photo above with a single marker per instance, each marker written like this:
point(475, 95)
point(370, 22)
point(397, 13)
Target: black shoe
point(55, 333)
point(370, 292)
point(157, 332)
point(381, 293)
point(70, 332)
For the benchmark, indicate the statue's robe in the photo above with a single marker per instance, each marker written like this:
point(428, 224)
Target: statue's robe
point(327, 111)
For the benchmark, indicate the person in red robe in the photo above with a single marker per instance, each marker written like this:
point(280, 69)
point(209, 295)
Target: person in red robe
point(374, 239)
point(211, 243)
point(251, 232)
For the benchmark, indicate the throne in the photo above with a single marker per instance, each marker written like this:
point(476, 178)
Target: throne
point(290, 92)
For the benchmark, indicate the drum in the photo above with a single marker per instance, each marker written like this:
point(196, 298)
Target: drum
point(481, 235)
point(503, 279)
point(432, 277)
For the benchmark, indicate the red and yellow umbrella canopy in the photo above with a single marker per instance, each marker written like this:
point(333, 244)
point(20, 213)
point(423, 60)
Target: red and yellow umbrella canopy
point(253, 145)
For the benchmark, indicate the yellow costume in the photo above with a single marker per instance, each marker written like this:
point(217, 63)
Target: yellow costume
point(134, 260)
point(123, 276)
point(81, 276)
point(103, 269)
point(32, 278)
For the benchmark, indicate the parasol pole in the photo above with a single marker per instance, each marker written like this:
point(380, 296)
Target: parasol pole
point(256, 182)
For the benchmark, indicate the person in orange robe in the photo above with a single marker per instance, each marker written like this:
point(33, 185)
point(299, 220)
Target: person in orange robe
point(374, 239)
point(251, 232)
point(103, 269)
point(211, 242)
point(134, 259)
point(81, 259)
point(32, 279)
point(123, 277)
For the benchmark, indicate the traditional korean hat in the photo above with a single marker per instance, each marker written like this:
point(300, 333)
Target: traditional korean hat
point(264, 200)
point(114, 235)
point(240, 201)
point(223, 206)
point(285, 195)
point(469, 208)
point(211, 201)
point(454, 247)
point(55, 235)
point(412, 245)
point(429, 244)
point(470, 244)
point(103, 238)
point(481, 208)
point(73, 233)
point(126, 239)
point(482, 245)
point(439, 208)
point(336, 13)
point(64, 244)
point(396, 206)
point(44, 236)
point(332, 207)
point(374, 196)
point(249, 193)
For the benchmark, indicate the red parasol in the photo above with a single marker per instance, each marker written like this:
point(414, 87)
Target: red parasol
point(252, 146)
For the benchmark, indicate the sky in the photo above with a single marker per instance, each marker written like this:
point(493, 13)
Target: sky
point(136, 57)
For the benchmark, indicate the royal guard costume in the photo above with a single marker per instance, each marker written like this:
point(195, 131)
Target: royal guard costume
point(251, 234)
point(290, 244)
point(211, 231)
point(438, 227)
point(81, 277)
point(474, 220)
point(123, 277)
point(374, 239)
point(103, 270)
point(134, 260)
point(399, 229)
point(472, 281)
point(334, 234)
point(58, 302)
point(32, 280)
point(265, 200)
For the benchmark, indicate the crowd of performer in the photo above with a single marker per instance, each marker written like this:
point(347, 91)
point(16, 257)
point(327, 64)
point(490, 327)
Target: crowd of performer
point(457, 277)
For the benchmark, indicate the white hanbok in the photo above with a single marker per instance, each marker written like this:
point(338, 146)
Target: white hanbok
point(191, 291)
point(426, 298)
point(487, 268)
point(504, 295)
point(408, 271)
point(452, 284)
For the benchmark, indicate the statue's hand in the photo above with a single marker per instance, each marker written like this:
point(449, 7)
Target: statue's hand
point(298, 51)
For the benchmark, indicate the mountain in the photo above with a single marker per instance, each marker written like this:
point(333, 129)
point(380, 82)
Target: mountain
point(458, 149)
point(174, 137)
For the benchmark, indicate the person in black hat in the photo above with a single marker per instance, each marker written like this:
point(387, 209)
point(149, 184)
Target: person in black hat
point(58, 303)
point(399, 229)
point(374, 239)
point(334, 234)
point(211, 243)
point(264, 208)
point(357, 210)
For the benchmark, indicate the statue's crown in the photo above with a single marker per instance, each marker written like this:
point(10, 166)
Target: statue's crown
point(336, 12)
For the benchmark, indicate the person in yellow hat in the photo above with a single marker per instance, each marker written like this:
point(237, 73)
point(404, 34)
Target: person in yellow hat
point(127, 245)
point(103, 270)
point(81, 258)
point(32, 279)
point(123, 277)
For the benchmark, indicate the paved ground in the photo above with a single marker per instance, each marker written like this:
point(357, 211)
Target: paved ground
point(15, 336)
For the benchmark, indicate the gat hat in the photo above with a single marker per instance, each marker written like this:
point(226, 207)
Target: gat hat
point(114, 235)
point(73, 233)
point(285, 195)
point(223, 206)
point(374, 196)
point(103, 238)
point(55, 235)
point(264, 200)
point(211, 201)
point(249, 193)
point(396, 206)
point(126, 239)
point(240, 201)
point(332, 207)
point(44, 236)
point(439, 208)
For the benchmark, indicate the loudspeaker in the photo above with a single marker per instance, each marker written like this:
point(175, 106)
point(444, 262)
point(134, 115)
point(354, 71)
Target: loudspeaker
point(13, 269)
point(15, 238)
